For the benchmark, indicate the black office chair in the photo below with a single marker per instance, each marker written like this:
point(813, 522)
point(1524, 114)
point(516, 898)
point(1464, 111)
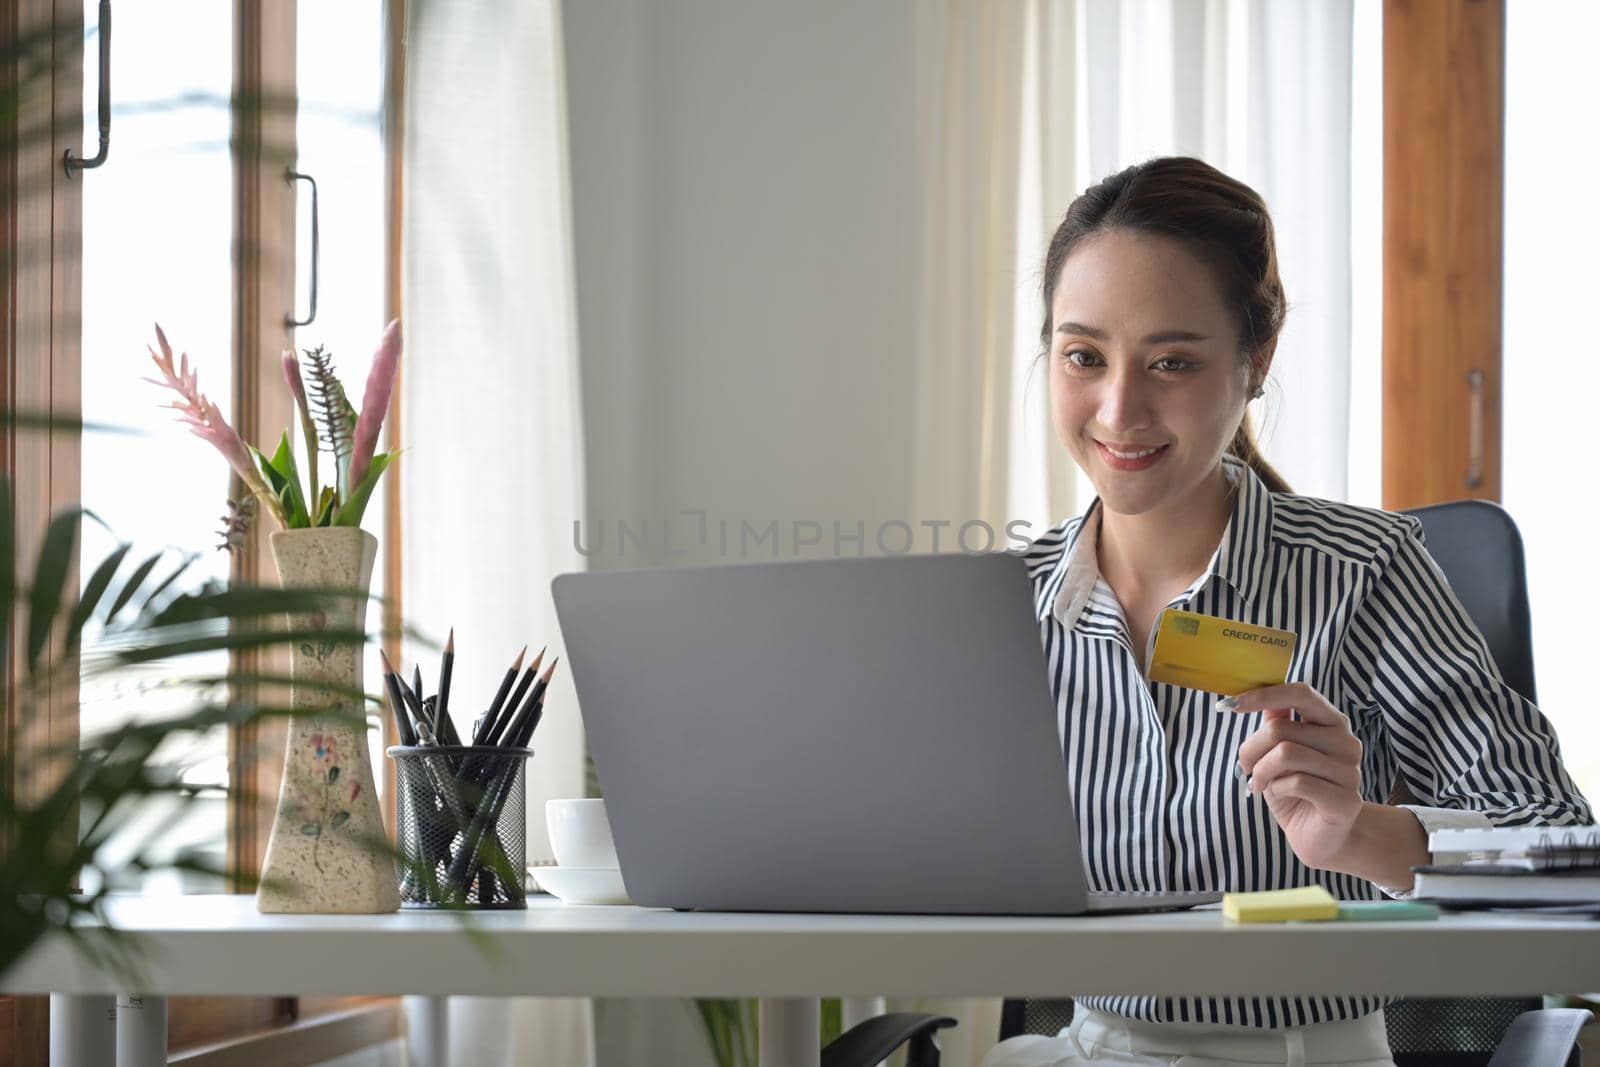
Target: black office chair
point(1477, 546)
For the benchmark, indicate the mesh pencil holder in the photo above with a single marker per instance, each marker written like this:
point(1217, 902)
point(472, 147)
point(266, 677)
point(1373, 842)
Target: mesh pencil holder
point(462, 823)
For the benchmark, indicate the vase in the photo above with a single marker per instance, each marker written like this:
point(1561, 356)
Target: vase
point(328, 852)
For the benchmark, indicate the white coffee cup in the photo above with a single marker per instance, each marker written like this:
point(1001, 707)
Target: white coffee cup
point(580, 833)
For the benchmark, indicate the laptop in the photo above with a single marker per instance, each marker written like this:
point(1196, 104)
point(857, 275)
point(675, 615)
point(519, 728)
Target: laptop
point(867, 735)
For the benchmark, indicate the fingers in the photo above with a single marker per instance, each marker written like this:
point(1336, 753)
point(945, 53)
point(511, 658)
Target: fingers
point(1298, 697)
point(1288, 759)
point(1335, 741)
point(1321, 794)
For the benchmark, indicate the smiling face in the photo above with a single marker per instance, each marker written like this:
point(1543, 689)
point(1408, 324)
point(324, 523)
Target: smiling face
point(1147, 386)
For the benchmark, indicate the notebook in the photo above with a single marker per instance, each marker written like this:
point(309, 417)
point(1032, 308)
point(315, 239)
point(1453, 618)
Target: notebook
point(1507, 884)
point(1513, 865)
point(1534, 848)
point(844, 735)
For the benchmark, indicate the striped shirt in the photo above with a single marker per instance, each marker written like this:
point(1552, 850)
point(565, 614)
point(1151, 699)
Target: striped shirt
point(1381, 636)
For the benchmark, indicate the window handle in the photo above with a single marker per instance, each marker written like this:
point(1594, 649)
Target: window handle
point(1474, 429)
point(70, 161)
point(316, 250)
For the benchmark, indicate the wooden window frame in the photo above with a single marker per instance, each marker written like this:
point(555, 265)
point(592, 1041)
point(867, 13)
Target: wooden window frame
point(40, 312)
point(1443, 194)
point(350, 1025)
point(263, 296)
point(39, 316)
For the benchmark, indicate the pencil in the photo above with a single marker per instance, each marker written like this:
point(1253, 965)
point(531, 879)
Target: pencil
point(515, 699)
point(508, 711)
point(412, 703)
point(500, 696)
point(446, 725)
point(521, 731)
point(397, 704)
point(446, 668)
point(416, 686)
point(497, 791)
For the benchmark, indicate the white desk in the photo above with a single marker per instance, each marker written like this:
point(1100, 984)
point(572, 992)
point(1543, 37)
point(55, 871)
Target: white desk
point(220, 946)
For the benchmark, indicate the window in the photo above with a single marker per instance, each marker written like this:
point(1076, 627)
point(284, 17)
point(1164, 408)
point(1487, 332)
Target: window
point(157, 243)
point(192, 222)
point(1549, 482)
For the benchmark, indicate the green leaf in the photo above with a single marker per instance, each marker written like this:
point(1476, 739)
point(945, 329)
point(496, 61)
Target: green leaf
point(161, 587)
point(294, 501)
point(333, 775)
point(350, 514)
point(311, 829)
point(327, 505)
point(160, 647)
point(343, 460)
point(96, 587)
point(131, 586)
point(49, 580)
point(250, 602)
point(274, 479)
point(339, 819)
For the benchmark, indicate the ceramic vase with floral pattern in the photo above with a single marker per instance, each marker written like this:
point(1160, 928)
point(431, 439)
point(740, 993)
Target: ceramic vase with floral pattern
point(327, 852)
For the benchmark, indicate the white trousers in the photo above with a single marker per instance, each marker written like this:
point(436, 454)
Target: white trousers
point(1100, 1038)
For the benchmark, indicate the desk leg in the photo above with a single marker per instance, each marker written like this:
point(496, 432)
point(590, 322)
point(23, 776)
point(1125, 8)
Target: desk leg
point(141, 1031)
point(83, 1031)
point(856, 1010)
point(791, 1032)
point(427, 1031)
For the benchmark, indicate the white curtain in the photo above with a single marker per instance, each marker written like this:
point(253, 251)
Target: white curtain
point(1016, 107)
point(993, 79)
point(492, 468)
point(1261, 89)
point(997, 140)
point(1021, 107)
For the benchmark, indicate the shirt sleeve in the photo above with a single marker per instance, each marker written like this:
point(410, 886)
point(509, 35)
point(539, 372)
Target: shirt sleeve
point(1438, 819)
point(1462, 739)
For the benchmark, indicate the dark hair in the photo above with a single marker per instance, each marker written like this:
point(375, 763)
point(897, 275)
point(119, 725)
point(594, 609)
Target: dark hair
point(1221, 219)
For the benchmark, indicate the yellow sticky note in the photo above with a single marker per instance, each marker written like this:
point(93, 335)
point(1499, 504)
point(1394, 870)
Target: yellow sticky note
point(1219, 655)
point(1280, 905)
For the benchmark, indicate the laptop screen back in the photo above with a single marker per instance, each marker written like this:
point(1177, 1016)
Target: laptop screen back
point(853, 735)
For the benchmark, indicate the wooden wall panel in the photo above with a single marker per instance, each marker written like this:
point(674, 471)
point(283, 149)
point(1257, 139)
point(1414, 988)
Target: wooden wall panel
point(1444, 144)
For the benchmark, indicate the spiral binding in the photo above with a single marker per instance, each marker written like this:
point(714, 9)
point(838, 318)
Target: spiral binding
point(1566, 851)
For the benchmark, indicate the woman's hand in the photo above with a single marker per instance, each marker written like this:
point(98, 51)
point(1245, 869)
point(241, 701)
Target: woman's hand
point(1309, 771)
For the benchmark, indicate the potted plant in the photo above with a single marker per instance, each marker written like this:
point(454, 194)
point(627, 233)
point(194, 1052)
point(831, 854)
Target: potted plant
point(66, 801)
point(320, 855)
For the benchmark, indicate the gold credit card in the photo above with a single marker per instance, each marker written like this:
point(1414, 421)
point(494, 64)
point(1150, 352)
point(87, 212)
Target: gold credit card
point(1219, 655)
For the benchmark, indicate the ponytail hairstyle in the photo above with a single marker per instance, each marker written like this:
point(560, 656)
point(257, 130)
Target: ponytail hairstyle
point(1225, 223)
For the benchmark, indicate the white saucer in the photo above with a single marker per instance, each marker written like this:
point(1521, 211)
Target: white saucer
point(582, 885)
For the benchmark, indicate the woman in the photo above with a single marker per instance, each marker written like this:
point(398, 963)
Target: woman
point(1163, 307)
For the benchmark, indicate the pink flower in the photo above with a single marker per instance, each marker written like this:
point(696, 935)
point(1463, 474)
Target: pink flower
point(206, 422)
point(291, 374)
point(375, 403)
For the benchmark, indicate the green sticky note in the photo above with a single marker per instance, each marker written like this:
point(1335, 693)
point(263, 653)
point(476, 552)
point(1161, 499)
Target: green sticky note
point(1377, 911)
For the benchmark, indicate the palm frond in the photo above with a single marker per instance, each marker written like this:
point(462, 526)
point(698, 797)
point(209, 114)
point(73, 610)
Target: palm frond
point(130, 586)
point(93, 590)
point(49, 580)
point(332, 412)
